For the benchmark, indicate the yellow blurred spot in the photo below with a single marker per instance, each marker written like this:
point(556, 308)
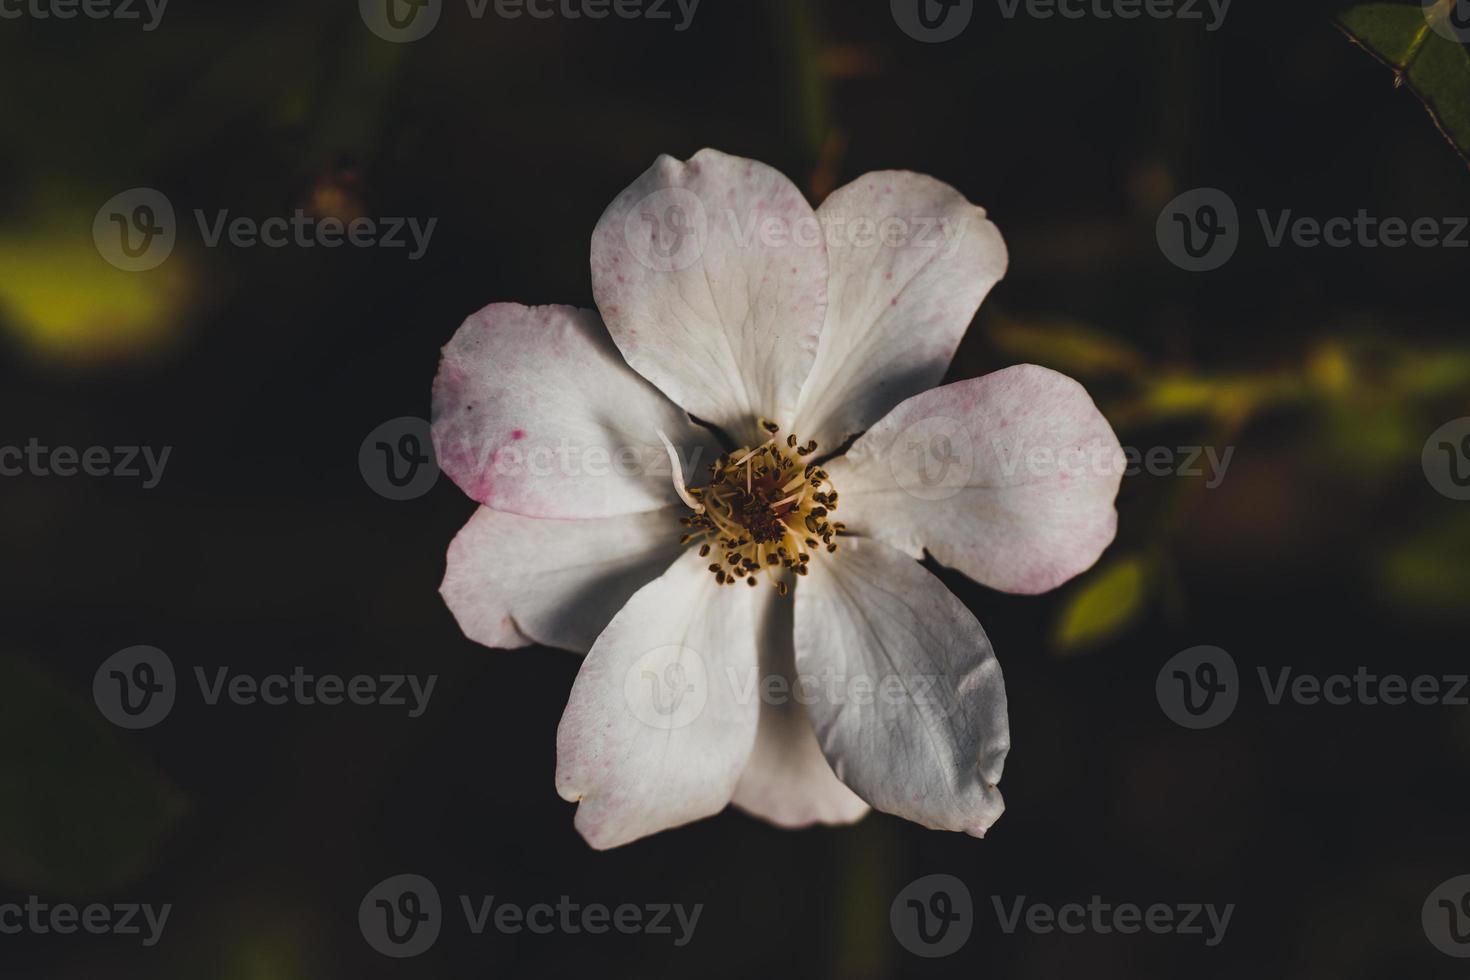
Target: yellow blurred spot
point(268, 957)
point(1330, 369)
point(64, 301)
point(1177, 395)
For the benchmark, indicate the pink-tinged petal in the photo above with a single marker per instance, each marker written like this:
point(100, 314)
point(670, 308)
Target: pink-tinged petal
point(512, 581)
point(917, 724)
point(655, 734)
point(911, 260)
point(787, 780)
point(536, 413)
point(712, 277)
point(1009, 478)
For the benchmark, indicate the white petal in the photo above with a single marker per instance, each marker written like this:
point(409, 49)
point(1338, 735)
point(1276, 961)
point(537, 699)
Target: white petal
point(1009, 478)
point(788, 780)
point(911, 260)
point(512, 581)
point(712, 277)
point(654, 734)
point(917, 724)
point(536, 413)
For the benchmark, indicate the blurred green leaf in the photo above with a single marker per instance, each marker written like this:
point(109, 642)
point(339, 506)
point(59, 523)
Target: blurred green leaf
point(80, 813)
point(1371, 436)
point(1435, 68)
point(1066, 345)
point(1430, 572)
point(1108, 601)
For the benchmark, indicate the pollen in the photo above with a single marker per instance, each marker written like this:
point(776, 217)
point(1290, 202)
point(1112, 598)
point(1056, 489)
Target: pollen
point(765, 510)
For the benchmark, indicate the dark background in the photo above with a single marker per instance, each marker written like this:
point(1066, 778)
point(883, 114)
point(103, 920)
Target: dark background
point(263, 547)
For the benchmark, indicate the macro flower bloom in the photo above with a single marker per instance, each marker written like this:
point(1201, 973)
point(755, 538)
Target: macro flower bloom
point(663, 486)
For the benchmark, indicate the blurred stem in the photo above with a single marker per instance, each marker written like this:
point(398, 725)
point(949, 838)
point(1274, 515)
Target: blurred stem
point(864, 879)
point(795, 25)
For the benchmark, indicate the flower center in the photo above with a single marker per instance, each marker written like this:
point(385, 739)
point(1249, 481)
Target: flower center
point(764, 509)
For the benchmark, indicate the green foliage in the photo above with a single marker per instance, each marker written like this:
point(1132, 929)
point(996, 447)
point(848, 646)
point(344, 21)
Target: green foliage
point(1109, 600)
point(1435, 68)
point(1430, 572)
point(80, 813)
point(1067, 345)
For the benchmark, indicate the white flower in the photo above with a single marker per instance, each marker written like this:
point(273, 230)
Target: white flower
point(725, 297)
